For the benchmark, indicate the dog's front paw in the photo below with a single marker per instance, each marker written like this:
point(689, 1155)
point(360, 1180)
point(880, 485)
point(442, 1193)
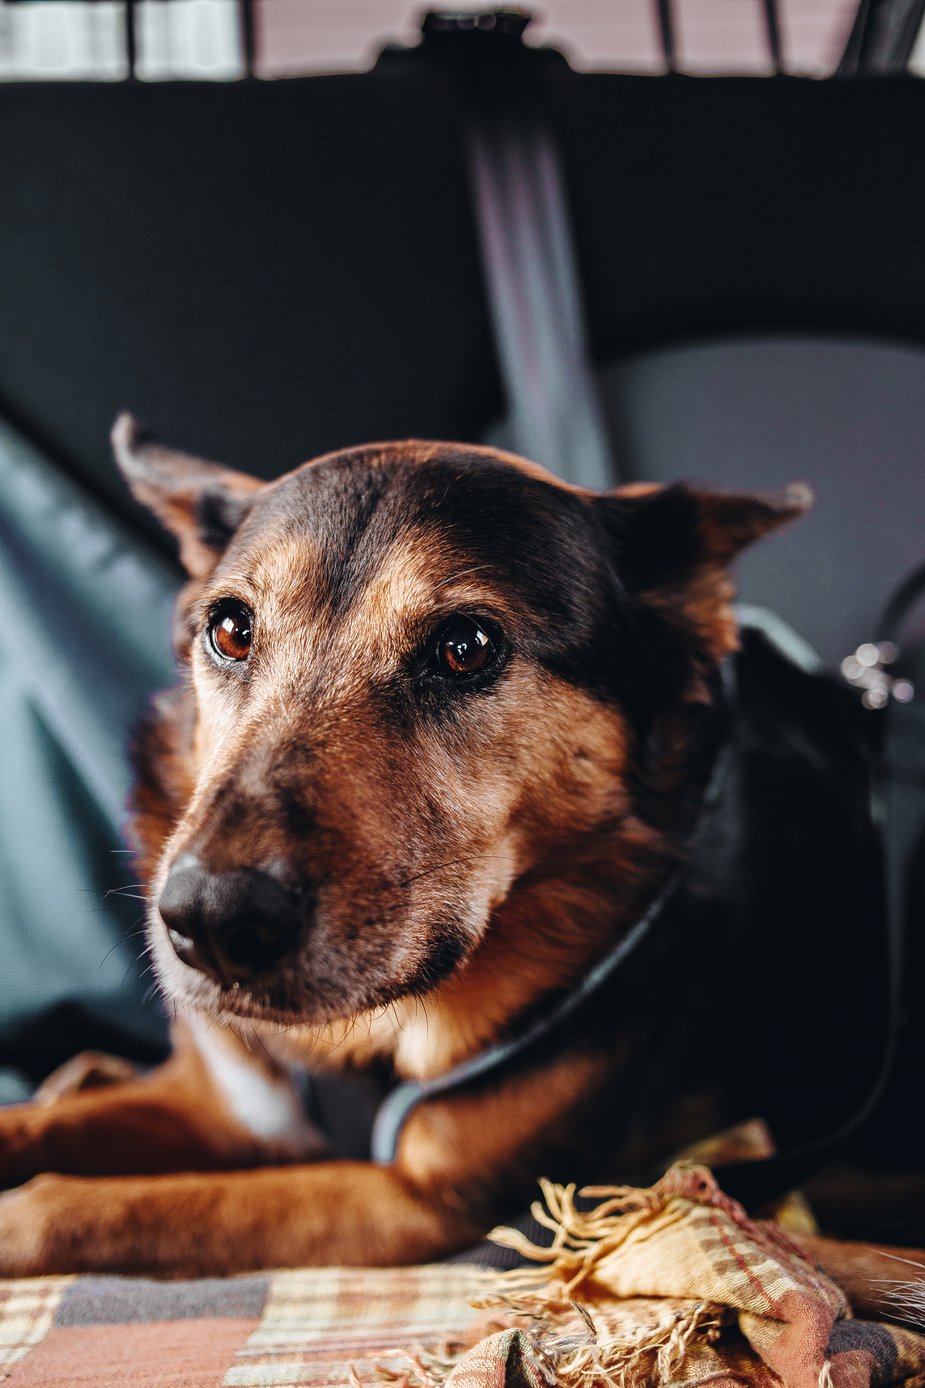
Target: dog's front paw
point(60, 1224)
point(64, 1224)
point(28, 1228)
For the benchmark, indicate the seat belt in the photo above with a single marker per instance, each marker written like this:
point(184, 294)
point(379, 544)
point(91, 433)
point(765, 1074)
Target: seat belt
point(528, 254)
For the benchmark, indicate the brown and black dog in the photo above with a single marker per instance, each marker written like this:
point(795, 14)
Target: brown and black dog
point(444, 734)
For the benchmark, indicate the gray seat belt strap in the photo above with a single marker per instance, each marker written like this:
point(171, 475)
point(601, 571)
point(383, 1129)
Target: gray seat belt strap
point(528, 252)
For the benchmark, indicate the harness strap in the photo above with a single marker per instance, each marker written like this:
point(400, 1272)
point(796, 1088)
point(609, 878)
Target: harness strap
point(398, 1106)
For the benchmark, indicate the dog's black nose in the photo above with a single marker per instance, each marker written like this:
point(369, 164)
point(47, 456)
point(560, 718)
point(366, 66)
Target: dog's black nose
point(230, 925)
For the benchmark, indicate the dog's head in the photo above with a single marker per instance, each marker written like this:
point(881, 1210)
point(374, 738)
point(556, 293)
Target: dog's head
point(418, 674)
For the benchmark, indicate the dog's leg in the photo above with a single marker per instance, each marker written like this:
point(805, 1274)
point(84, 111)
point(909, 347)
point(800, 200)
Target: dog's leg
point(213, 1104)
point(463, 1163)
point(196, 1225)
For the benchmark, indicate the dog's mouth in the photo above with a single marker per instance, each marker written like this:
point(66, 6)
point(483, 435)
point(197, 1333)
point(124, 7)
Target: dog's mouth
point(275, 1005)
point(282, 1002)
point(264, 1002)
point(302, 986)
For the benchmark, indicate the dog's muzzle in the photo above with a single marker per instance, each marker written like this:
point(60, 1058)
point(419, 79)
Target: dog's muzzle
point(232, 926)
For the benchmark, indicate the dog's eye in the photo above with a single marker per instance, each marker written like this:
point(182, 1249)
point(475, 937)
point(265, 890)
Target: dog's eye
point(463, 647)
point(230, 631)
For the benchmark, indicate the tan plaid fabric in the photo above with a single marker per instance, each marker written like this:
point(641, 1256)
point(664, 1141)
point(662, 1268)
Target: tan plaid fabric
point(320, 1326)
point(27, 1310)
point(676, 1286)
point(324, 1326)
point(665, 1288)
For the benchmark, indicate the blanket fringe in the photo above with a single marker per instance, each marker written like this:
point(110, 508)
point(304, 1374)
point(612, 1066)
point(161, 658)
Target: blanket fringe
point(600, 1357)
point(583, 1239)
point(587, 1351)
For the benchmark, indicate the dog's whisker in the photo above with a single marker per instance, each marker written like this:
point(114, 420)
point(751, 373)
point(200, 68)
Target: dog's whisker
point(419, 1003)
point(132, 934)
point(464, 573)
point(905, 1298)
point(348, 1035)
point(451, 862)
point(134, 964)
point(110, 951)
point(897, 1258)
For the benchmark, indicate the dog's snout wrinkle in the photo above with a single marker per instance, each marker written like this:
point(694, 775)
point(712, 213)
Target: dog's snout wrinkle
point(231, 925)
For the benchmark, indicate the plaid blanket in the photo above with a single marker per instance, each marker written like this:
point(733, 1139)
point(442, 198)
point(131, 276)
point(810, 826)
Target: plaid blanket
point(671, 1287)
point(675, 1285)
point(315, 1326)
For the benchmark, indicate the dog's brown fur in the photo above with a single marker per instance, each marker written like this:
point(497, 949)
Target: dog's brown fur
point(468, 853)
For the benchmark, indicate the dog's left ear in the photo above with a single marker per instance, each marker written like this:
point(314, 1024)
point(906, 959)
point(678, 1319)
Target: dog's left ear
point(674, 547)
point(201, 503)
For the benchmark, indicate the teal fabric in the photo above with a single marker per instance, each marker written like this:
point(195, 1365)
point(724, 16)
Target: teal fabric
point(84, 641)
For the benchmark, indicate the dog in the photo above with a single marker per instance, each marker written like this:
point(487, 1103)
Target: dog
point(447, 728)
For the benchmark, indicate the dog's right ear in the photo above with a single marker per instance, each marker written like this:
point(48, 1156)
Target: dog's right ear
point(201, 503)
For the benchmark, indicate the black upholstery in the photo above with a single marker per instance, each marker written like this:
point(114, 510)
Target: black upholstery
point(268, 270)
point(262, 271)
